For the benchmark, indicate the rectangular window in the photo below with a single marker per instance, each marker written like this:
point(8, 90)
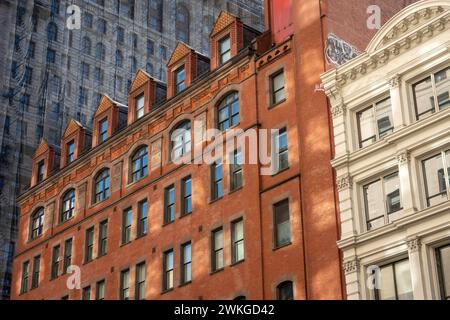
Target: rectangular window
point(55, 262)
point(282, 150)
point(237, 240)
point(186, 263)
point(120, 35)
point(67, 254)
point(85, 70)
point(282, 223)
point(36, 271)
point(179, 80)
point(431, 95)
point(216, 181)
point(89, 250)
point(277, 85)
point(168, 270)
point(140, 106)
point(99, 75)
point(437, 179)
point(86, 295)
point(140, 281)
point(125, 285)
point(100, 290)
point(126, 225)
point(40, 171)
point(236, 170)
point(142, 218)
point(382, 200)
point(150, 48)
point(70, 152)
point(103, 130)
point(217, 250)
point(224, 50)
point(395, 282)
point(25, 275)
point(375, 122)
point(186, 195)
point(103, 238)
point(51, 56)
point(443, 263)
point(169, 207)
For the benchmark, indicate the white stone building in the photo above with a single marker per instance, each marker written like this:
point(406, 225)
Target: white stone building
point(391, 121)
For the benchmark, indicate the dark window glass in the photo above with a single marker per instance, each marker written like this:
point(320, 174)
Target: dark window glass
point(278, 88)
point(67, 254)
point(225, 50)
point(169, 207)
point(86, 295)
point(103, 238)
point(89, 253)
point(100, 290)
point(55, 262)
point(186, 196)
point(182, 22)
point(281, 144)
point(285, 291)
point(40, 171)
point(217, 181)
point(375, 122)
point(70, 152)
point(282, 223)
point(37, 223)
point(228, 112)
point(139, 165)
point(443, 262)
point(68, 206)
point(36, 271)
point(51, 55)
point(186, 263)
point(25, 276)
point(436, 178)
point(52, 32)
point(181, 140)
point(142, 218)
point(125, 285)
point(140, 281)
point(102, 186)
point(140, 106)
point(155, 14)
point(179, 80)
point(217, 250)
point(236, 170)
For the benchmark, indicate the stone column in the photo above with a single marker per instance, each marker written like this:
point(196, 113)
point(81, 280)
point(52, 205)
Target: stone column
point(404, 172)
point(344, 187)
point(351, 269)
point(415, 263)
point(396, 102)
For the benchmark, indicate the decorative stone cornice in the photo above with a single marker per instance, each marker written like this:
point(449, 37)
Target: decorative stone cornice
point(414, 245)
point(344, 182)
point(351, 266)
point(403, 157)
point(338, 110)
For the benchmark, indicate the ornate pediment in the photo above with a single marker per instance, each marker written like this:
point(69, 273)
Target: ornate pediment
point(181, 50)
point(72, 127)
point(222, 22)
point(105, 103)
point(139, 80)
point(42, 148)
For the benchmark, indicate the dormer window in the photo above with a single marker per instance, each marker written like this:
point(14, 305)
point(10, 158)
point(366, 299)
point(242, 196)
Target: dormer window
point(103, 130)
point(179, 80)
point(40, 171)
point(70, 152)
point(225, 50)
point(140, 106)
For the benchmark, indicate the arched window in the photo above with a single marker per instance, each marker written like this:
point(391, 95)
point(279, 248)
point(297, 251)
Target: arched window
point(52, 32)
point(139, 164)
point(182, 24)
point(228, 112)
point(180, 140)
point(155, 14)
point(100, 51)
point(149, 69)
point(119, 58)
point(68, 205)
point(102, 186)
point(37, 223)
point(285, 291)
point(86, 45)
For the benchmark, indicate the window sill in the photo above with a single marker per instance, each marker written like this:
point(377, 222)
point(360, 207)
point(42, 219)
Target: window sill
point(215, 200)
point(185, 215)
point(126, 243)
point(87, 262)
point(234, 264)
point(274, 105)
point(140, 236)
point(280, 171)
point(185, 284)
point(165, 224)
point(101, 256)
point(167, 291)
point(216, 271)
point(282, 246)
point(236, 189)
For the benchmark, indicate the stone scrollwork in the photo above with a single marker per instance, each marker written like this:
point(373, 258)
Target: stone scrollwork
point(351, 266)
point(344, 182)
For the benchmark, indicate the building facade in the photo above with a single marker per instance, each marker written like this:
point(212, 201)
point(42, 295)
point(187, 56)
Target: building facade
point(391, 124)
point(51, 74)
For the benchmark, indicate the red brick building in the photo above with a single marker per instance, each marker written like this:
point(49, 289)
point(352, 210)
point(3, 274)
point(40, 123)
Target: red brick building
point(138, 225)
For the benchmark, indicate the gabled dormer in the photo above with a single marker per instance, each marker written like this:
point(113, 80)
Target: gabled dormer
point(228, 36)
point(43, 163)
point(109, 118)
point(183, 67)
point(145, 92)
point(73, 142)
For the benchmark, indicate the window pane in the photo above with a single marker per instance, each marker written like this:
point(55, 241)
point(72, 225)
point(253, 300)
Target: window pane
point(403, 278)
point(424, 98)
point(444, 263)
point(374, 202)
point(434, 180)
point(392, 190)
point(384, 117)
point(387, 284)
point(442, 80)
point(366, 124)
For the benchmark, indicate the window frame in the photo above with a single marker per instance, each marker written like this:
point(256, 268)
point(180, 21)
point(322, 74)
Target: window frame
point(185, 134)
point(25, 277)
point(54, 270)
point(89, 245)
point(126, 228)
point(68, 252)
point(184, 263)
point(142, 220)
point(70, 157)
point(169, 205)
point(220, 42)
point(186, 197)
point(101, 284)
point(102, 132)
point(102, 178)
point(236, 242)
point(284, 285)
point(36, 272)
point(274, 92)
point(179, 85)
point(281, 151)
point(140, 282)
point(66, 215)
point(168, 273)
point(125, 290)
point(139, 156)
point(40, 171)
point(215, 181)
point(103, 238)
point(279, 204)
point(223, 104)
point(446, 174)
point(216, 251)
point(376, 293)
point(37, 216)
point(236, 169)
point(137, 99)
point(441, 273)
